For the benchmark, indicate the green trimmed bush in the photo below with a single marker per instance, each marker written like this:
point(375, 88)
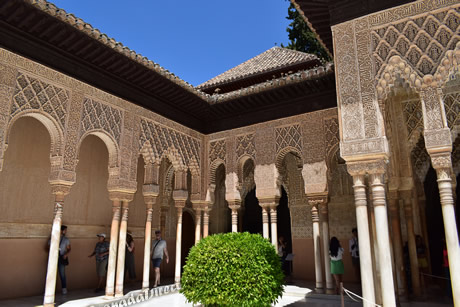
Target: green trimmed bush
point(233, 269)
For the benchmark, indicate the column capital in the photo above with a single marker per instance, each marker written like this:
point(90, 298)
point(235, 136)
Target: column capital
point(315, 213)
point(269, 202)
point(180, 195)
point(317, 198)
point(198, 205)
point(234, 204)
point(121, 195)
point(60, 190)
point(373, 166)
point(179, 203)
point(441, 160)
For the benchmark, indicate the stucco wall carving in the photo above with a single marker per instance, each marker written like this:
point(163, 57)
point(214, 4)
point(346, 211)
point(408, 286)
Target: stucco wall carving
point(245, 146)
point(99, 116)
point(422, 40)
point(289, 136)
point(411, 42)
point(165, 141)
point(32, 93)
point(217, 150)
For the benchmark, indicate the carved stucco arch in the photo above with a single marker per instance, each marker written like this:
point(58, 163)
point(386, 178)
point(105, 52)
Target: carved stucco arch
point(195, 172)
point(148, 154)
point(282, 154)
point(172, 154)
point(51, 125)
point(109, 142)
point(213, 169)
point(245, 184)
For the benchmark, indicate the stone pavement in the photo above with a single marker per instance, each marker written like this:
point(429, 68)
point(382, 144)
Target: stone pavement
point(297, 294)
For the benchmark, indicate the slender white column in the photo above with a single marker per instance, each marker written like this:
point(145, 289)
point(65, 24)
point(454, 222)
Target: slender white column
point(111, 267)
point(274, 225)
point(365, 257)
point(205, 222)
point(147, 246)
point(177, 273)
point(234, 220)
point(317, 249)
point(121, 250)
point(450, 225)
point(51, 273)
point(265, 221)
point(198, 225)
point(324, 217)
point(383, 240)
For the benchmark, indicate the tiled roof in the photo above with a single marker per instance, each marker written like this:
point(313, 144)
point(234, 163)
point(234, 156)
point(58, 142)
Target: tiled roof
point(273, 59)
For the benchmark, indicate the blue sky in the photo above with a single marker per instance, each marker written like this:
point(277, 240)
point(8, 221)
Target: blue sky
point(195, 39)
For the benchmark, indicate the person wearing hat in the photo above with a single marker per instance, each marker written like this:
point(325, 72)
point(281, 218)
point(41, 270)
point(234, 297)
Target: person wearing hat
point(101, 251)
point(158, 249)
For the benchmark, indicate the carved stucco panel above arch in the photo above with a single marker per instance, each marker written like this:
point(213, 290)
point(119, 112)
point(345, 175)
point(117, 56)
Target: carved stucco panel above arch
point(164, 141)
point(245, 146)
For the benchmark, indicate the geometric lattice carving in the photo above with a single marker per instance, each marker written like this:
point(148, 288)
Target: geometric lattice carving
point(245, 146)
point(288, 136)
point(332, 133)
point(31, 93)
point(217, 150)
point(413, 116)
point(452, 107)
point(423, 41)
point(97, 115)
point(456, 156)
point(162, 138)
point(420, 159)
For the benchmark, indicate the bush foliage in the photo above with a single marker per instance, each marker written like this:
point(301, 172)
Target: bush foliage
point(233, 269)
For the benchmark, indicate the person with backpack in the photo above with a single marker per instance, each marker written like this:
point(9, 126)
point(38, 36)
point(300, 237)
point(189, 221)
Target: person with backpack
point(159, 249)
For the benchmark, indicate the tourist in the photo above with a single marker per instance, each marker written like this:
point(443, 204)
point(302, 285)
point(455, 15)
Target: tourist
point(337, 269)
point(101, 251)
point(354, 252)
point(129, 257)
point(159, 248)
point(282, 253)
point(63, 260)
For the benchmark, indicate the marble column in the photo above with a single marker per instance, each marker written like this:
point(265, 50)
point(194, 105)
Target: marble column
point(177, 271)
point(121, 250)
point(317, 249)
point(206, 221)
point(397, 243)
point(51, 272)
point(324, 218)
point(234, 206)
point(112, 262)
point(147, 246)
point(365, 257)
point(374, 252)
point(197, 224)
point(274, 225)
point(265, 221)
point(383, 239)
point(415, 273)
point(443, 166)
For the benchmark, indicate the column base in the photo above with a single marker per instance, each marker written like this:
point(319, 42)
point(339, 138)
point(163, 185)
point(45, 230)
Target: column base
point(331, 291)
point(119, 295)
point(109, 295)
point(48, 305)
point(319, 290)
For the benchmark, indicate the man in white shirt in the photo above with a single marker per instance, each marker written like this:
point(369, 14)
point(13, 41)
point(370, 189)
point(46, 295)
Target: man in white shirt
point(158, 249)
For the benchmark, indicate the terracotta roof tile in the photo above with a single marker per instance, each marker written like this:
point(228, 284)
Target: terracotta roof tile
point(273, 59)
